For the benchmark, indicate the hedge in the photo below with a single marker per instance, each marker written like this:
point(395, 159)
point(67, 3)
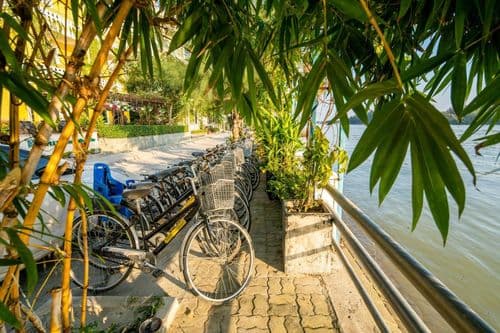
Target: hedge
point(129, 131)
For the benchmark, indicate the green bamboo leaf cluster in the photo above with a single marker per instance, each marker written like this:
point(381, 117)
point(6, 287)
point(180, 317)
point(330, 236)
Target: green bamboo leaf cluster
point(413, 123)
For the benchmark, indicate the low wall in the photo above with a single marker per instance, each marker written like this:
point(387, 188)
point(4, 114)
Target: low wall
point(140, 142)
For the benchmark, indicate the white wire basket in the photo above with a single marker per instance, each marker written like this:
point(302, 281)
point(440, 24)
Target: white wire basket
point(219, 195)
point(248, 148)
point(223, 170)
point(239, 157)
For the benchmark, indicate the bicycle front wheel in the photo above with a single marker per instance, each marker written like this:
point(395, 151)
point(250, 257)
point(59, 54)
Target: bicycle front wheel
point(220, 271)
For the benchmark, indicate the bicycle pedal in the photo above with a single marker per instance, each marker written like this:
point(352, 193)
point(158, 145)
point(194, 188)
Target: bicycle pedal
point(157, 273)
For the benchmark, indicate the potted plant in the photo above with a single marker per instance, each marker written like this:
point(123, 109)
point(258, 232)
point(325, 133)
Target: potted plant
point(307, 238)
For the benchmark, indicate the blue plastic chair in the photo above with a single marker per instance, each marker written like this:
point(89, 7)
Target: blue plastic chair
point(106, 185)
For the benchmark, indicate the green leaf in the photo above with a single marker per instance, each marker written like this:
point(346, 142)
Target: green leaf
point(394, 159)
point(10, 262)
point(186, 31)
point(28, 94)
point(8, 317)
point(309, 90)
point(377, 130)
point(75, 7)
point(59, 195)
point(15, 25)
point(351, 9)
point(92, 11)
point(417, 185)
point(440, 129)
point(237, 72)
point(460, 13)
point(26, 257)
point(433, 184)
point(488, 140)
point(425, 66)
point(7, 52)
point(371, 91)
point(489, 95)
point(262, 74)
point(484, 116)
point(459, 84)
point(403, 7)
point(126, 29)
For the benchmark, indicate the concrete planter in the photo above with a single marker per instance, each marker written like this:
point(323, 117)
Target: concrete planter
point(307, 241)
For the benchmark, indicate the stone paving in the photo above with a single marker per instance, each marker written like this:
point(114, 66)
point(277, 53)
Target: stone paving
point(274, 301)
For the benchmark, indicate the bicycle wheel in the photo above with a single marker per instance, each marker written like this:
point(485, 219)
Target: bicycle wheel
point(221, 271)
point(242, 211)
point(106, 271)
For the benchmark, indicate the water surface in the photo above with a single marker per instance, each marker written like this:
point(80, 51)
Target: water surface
point(469, 264)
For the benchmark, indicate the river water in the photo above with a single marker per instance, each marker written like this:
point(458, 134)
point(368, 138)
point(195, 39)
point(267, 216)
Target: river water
point(469, 264)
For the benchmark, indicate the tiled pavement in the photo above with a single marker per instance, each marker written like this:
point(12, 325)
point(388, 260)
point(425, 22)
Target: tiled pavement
point(274, 301)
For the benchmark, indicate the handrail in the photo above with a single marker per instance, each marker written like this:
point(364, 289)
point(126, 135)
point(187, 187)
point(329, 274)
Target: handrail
point(458, 314)
point(409, 317)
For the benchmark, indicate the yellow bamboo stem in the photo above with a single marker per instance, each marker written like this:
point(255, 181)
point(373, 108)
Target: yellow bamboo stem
point(88, 34)
point(385, 43)
point(99, 62)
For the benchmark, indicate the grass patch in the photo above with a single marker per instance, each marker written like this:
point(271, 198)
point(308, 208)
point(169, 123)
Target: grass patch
point(130, 131)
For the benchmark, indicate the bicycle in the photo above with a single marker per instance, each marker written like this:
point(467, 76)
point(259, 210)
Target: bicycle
point(215, 246)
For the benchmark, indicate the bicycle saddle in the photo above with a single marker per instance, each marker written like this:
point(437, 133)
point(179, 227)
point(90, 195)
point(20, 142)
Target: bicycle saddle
point(138, 193)
point(197, 153)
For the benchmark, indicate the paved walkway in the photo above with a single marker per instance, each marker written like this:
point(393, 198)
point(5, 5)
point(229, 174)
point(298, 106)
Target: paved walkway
point(273, 302)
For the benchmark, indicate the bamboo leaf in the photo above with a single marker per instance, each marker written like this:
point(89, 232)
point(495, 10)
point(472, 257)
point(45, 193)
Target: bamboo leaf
point(28, 94)
point(371, 91)
point(417, 186)
point(59, 195)
point(309, 90)
point(262, 74)
point(485, 115)
point(403, 7)
point(92, 11)
point(460, 13)
point(489, 95)
point(487, 141)
point(377, 130)
point(10, 262)
point(459, 84)
point(433, 184)
point(351, 9)
point(394, 159)
point(27, 259)
point(8, 317)
point(7, 52)
point(75, 7)
point(15, 25)
point(186, 31)
point(439, 128)
point(425, 66)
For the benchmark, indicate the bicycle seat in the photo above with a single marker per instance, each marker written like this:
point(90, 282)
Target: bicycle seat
point(138, 193)
point(197, 153)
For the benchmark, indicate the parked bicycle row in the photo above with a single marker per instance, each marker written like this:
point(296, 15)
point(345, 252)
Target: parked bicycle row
point(213, 190)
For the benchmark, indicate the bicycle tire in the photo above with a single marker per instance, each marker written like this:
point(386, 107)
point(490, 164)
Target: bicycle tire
point(232, 241)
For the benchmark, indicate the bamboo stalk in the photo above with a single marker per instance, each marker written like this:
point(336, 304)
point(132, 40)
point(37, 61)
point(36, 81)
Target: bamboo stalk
point(55, 311)
point(88, 34)
point(99, 62)
point(79, 171)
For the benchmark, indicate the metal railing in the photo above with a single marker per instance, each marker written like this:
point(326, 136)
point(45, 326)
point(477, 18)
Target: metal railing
point(454, 311)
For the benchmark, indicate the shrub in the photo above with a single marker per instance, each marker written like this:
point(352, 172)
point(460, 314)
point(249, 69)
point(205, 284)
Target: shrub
point(199, 131)
point(129, 131)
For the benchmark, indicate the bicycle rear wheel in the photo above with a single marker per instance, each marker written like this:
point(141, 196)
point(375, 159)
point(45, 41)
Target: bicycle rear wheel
point(221, 271)
point(106, 271)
